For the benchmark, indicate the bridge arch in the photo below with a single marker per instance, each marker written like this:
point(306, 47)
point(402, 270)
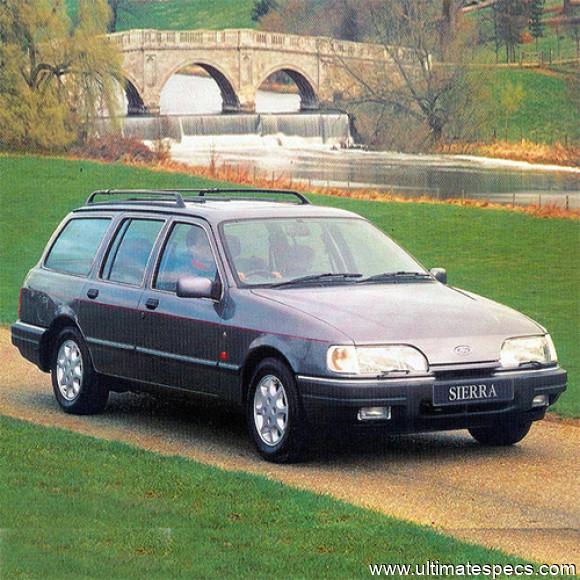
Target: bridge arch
point(135, 102)
point(308, 97)
point(230, 100)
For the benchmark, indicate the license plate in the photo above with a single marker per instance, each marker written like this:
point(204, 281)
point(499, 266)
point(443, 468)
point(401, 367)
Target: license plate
point(473, 392)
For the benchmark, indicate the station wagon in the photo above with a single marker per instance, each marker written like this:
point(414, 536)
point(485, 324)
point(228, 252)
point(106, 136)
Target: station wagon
point(302, 315)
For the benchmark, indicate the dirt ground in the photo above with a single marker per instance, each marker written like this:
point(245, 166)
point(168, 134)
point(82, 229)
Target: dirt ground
point(524, 500)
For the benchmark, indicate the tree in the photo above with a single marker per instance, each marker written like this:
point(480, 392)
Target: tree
point(54, 74)
point(336, 18)
point(425, 44)
point(510, 99)
point(261, 8)
point(536, 24)
point(511, 18)
point(114, 6)
point(571, 13)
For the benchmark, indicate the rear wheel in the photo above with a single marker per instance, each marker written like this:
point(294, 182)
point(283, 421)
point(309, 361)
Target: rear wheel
point(76, 385)
point(274, 415)
point(501, 434)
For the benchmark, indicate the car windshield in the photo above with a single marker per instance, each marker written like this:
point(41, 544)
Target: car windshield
point(286, 251)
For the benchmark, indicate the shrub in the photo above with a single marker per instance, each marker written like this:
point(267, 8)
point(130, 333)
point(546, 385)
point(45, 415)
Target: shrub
point(116, 148)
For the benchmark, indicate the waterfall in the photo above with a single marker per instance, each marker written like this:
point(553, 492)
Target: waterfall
point(324, 128)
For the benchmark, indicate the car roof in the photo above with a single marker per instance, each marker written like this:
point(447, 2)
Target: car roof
point(214, 206)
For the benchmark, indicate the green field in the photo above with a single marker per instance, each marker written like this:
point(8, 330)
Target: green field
point(529, 263)
point(549, 110)
point(77, 507)
point(181, 14)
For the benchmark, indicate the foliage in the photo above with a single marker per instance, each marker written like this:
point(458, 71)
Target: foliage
point(115, 148)
point(335, 18)
point(54, 74)
point(511, 18)
point(572, 23)
point(536, 24)
point(114, 5)
point(431, 86)
point(511, 98)
point(261, 8)
point(504, 267)
point(548, 113)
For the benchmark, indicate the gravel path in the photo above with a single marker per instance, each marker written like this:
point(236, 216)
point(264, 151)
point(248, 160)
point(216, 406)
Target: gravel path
point(524, 500)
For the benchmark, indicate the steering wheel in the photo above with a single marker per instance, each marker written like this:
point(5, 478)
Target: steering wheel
point(258, 272)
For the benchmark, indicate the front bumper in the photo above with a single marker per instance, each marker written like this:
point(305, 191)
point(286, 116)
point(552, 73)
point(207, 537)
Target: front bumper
point(329, 400)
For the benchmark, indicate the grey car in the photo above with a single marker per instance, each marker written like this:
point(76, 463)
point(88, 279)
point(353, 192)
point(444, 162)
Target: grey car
point(300, 314)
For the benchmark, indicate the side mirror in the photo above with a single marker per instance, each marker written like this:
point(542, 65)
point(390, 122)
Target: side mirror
point(197, 287)
point(440, 274)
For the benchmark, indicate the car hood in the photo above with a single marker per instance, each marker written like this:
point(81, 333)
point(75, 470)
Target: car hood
point(431, 316)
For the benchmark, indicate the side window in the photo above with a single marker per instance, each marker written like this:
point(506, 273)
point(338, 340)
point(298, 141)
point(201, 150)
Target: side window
point(76, 246)
point(186, 253)
point(129, 253)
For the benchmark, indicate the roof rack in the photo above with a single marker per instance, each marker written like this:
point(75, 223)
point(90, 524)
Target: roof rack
point(146, 196)
point(163, 196)
point(224, 193)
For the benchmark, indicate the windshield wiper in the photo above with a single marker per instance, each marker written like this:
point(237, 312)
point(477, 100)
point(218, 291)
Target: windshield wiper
point(317, 278)
point(388, 276)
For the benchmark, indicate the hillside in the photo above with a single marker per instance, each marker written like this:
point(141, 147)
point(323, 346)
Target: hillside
point(181, 14)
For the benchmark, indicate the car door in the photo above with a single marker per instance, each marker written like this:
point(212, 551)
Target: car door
point(109, 307)
point(180, 340)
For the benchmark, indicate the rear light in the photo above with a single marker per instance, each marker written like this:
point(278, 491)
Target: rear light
point(20, 303)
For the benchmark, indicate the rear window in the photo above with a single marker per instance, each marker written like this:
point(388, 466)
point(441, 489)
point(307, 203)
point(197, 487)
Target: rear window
point(129, 253)
point(75, 248)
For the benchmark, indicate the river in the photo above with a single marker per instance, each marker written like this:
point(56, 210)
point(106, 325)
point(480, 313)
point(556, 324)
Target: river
point(308, 147)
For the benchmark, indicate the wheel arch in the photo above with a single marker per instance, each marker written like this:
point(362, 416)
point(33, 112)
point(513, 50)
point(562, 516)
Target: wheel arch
point(255, 356)
point(58, 324)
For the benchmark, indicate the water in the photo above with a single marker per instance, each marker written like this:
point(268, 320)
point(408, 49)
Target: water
point(310, 148)
point(242, 131)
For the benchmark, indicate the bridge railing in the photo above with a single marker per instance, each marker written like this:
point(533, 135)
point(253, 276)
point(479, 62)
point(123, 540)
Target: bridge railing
point(246, 38)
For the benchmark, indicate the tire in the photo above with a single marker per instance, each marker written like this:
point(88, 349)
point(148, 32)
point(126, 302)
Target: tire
point(77, 387)
point(279, 436)
point(502, 434)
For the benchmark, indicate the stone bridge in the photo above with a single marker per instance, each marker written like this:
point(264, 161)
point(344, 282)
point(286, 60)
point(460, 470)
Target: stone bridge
point(241, 60)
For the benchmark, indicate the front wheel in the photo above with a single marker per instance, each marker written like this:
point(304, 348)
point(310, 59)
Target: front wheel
point(76, 385)
point(274, 415)
point(502, 434)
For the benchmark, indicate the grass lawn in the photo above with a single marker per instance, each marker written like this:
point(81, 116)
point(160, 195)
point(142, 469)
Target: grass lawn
point(528, 263)
point(77, 507)
point(548, 112)
point(181, 14)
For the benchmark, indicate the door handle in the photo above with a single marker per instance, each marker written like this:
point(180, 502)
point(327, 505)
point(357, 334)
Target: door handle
point(92, 293)
point(152, 303)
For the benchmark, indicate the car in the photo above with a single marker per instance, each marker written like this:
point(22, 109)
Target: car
point(305, 316)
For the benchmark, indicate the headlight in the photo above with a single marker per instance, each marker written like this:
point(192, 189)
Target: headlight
point(518, 351)
point(374, 360)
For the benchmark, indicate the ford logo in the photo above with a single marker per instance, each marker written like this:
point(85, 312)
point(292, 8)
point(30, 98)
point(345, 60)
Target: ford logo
point(462, 350)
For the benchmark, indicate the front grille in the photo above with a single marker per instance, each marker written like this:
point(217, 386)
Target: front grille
point(459, 374)
point(427, 408)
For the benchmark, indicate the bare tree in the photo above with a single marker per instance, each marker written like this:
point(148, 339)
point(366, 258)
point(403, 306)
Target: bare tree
point(425, 43)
